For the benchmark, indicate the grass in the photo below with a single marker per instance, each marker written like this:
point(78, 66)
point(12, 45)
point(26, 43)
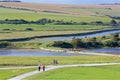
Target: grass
point(101, 11)
point(80, 73)
point(22, 27)
point(24, 34)
point(7, 13)
point(6, 74)
point(18, 31)
point(32, 60)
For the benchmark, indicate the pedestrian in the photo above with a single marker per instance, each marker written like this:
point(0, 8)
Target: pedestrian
point(43, 67)
point(54, 61)
point(39, 67)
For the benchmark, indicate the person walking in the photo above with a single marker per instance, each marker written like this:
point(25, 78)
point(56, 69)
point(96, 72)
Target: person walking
point(39, 67)
point(43, 67)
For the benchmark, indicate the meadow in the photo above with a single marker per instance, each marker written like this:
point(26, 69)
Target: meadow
point(48, 27)
point(33, 60)
point(6, 74)
point(99, 11)
point(12, 31)
point(8, 13)
point(80, 73)
point(25, 34)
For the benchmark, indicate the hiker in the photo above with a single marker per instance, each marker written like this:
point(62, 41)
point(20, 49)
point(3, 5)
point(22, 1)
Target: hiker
point(54, 61)
point(43, 67)
point(39, 67)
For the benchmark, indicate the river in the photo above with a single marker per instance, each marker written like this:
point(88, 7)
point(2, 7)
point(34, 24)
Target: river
point(14, 52)
point(78, 36)
point(22, 52)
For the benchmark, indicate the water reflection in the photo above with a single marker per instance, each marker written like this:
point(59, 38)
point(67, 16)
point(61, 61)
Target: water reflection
point(105, 50)
point(14, 52)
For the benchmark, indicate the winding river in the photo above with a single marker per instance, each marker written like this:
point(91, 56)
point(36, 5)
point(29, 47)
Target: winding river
point(15, 52)
point(78, 36)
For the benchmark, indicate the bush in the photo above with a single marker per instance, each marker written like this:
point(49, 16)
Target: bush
point(62, 44)
point(4, 44)
point(6, 29)
point(29, 29)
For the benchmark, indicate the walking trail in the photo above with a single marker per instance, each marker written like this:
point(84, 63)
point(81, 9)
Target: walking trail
point(20, 77)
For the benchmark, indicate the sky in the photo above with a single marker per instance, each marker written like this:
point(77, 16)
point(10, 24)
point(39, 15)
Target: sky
point(74, 1)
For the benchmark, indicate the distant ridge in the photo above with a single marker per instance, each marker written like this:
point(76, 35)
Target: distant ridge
point(10, 1)
point(111, 4)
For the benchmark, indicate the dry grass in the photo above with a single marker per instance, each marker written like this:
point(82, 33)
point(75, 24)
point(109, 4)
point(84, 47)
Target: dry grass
point(63, 8)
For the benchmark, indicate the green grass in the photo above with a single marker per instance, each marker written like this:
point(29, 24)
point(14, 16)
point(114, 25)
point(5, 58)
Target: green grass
point(6, 74)
point(24, 34)
point(7, 13)
point(31, 61)
point(80, 73)
point(18, 31)
point(51, 27)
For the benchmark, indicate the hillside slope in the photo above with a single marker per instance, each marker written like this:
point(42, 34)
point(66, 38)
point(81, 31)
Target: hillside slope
point(67, 8)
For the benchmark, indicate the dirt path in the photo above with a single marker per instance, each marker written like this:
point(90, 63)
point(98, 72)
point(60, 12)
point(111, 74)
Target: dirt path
point(20, 77)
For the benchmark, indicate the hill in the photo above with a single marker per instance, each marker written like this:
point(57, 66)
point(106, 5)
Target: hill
point(68, 8)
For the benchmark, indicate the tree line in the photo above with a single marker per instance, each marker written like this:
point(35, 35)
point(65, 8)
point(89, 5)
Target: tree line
point(44, 21)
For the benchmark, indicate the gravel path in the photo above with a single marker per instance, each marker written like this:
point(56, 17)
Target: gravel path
point(20, 77)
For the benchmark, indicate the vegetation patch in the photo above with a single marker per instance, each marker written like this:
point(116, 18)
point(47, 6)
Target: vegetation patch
point(94, 42)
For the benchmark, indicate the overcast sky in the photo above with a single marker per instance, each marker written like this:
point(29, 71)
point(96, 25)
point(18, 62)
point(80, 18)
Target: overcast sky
point(74, 1)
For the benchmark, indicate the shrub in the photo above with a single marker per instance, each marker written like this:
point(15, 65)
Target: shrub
point(62, 44)
point(4, 44)
point(29, 29)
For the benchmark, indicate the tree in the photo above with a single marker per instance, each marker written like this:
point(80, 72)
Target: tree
point(77, 43)
point(113, 23)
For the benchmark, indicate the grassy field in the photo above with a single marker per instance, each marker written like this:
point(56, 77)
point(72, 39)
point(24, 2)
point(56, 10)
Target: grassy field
point(80, 73)
point(65, 8)
point(23, 27)
point(19, 31)
point(31, 61)
point(6, 74)
point(100, 11)
point(7, 13)
point(24, 34)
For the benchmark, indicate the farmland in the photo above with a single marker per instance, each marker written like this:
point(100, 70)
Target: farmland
point(62, 8)
point(7, 13)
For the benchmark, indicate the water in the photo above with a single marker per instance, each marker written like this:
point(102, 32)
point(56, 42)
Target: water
point(106, 50)
point(79, 36)
point(14, 52)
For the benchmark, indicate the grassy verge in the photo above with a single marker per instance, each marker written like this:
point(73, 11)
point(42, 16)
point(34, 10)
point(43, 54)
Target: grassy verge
point(6, 74)
point(80, 73)
point(31, 61)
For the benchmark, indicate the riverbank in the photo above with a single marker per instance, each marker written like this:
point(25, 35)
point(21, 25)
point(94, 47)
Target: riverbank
point(78, 52)
point(58, 35)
